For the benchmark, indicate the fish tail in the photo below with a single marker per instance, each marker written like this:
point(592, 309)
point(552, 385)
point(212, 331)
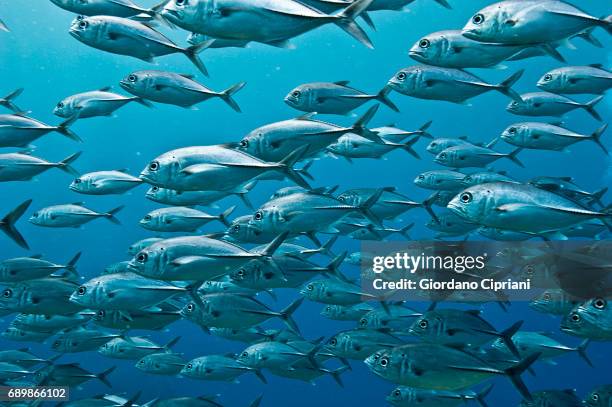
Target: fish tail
point(64, 129)
point(287, 163)
point(3, 26)
point(383, 97)
point(505, 86)
point(65, 166)
point(192, 53)
point(606, 23)
point(260, 376)
point(334, 265)
point(326, 247)
point(71, 266)
point(506, 337)
point(596, 137)
point(7, 101)
point(304, 170)
point(226, 95)
point(587, 36)
point(110, 215)
point(422, 131)
point(365, 207)
point(513, 157)
point(155, 13)
point(480, 396)
point(172, 342)
point(257, 401)
point(368, 20)
point(405, 230)
point(444, 4)
point(581, 349)
point(346, 21)
point(143, 102)
point(596, 196)
point(407, 146)
point(590, 107)
point(223, 216)
point(286, 313)
point(132, 400)
point(514, 373)
point(427, 204)
point(336, 374)
point(359, 127)
point(7, 224)
point(242, 194)
point(103, 377)
point(552, 51)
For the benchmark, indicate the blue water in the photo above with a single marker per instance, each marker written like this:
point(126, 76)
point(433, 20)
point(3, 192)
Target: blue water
point(39, 55)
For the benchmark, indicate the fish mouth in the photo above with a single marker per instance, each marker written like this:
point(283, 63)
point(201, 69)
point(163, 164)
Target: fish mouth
point(75, 33)
point(470, 33)
point(125, 84)
point(172, 13)
point(146, 179)
point(415, 53)
point(73, 187)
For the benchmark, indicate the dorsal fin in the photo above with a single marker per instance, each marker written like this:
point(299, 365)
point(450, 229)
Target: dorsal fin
point(105, 89)
point(342, 83)
point(598, 66)
point(36, 256)
point(187, 75)
point(306, 116)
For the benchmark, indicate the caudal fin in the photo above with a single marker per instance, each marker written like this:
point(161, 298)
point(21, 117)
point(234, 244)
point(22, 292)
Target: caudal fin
point(285, 315)
point(590, 107)
point(365, 207)
point(506, 337)
point(192, 53)
point(226, 213)
point(444, 4)
point(110, 215)
point(7, 101)
point(596, 137)
point(65, 166)
point(422, 131)
point(598, 195)
point(581, 349)
point(407, 147)
point(71, 266)
point(226, 95)
point(513, 157)
point(64, 129)
point(359, 127)
point(505, 87)
point(143, 102)
point(480, 396)
point(7, 224)
point(346, 21)
point(3, 26)
point(514, 374)
point(287, 163)
point(103, 377)
point(383, 97)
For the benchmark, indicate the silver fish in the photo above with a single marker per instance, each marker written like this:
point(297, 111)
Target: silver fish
point(192, 198)
point(165, 363)
point(544, 136)
point(550, 104)
point(23, 166)
point(404, 396)
point(105, 183)
point(218, 368)
point(93, 104)
point(70, 216)
point(181, 219)
point(19, 130)
point(30, 268)
point(47, 296)
point(440, 180)
point(592, 79)
point(133, 347)
point(81, 340)
point(591, 319)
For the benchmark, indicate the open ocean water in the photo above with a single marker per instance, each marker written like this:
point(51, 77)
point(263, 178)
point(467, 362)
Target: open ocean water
point(39, 55)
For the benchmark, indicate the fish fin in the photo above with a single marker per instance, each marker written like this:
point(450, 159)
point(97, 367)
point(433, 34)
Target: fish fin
point(65, 166)
point(346, 21)
point(223, 216)
point(3, 27)
point(286, 315)
point(192, 53)
point(596, 137)
point(7, 101)
point(505, 86)
point(551, 51)
point(7, 224)
point(257, 401)
point(103, 377)
point(383, 97)
point(287, 163)
point(64, 129)
point(590, 107)
point(514, 373)
point(342, 83)
point(444, 4)
point(581, 349)
point(359, 127)
point(513, 157)
point(71, 266)
point(110, 215)
point(226, 95)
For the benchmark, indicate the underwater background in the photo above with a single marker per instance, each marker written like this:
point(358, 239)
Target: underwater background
point(39, 55)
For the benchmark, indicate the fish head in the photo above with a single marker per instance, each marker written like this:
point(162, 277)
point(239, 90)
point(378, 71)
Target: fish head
point(373, 362)
point(354, 258)
point(299, 98)
point(137, 83)
point(331, 311)
point(13, 297)
point(145, 364)
point(39, 217)
point(151, 220)
point(64, 108)
point(518, 107)
point(162, 170)
point(516, 133)
point(489, 24)
point(337, 343)
point(193, 310)
point(150, 261)
point(425, 180)
point(447, 157)
point(247, 274)
point(552, 81)
point(313, 290)
point(110, 348)
point(242, 230)
point(429, 48)
point(471, 204)
point(351, 197)
point(579, 321)
point(89, 293)
point(85, 29)
point(81, 184)
point(599, 397)
point(401, 395)
point(267, 218)
point(181, 12)
point(425, 326)
point(405, 80)
point(253, 356)
point(192, 368)
point(157, 194)
point(253, 142)
point(434, 147)
point(546, 301)
point(60, 344)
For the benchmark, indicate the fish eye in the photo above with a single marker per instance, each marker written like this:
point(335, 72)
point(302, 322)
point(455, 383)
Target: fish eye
point(468, 179)
point(82, 290)
point(236, 228)
point(384, 361)
point(258, 215)
point(424, 43)
point(147, 217)
point(244, 355)
point(575, 317)
point(56, 344)
point(241, 273)
point(154, 189)
point(397, 393)
point(142, 258)
point(142, 362)
point(190, 307)
point(78, 181)
point(443, 156)
point(132, 78)
point(548, 77)
point(515, 103)
point(478, 19)
point(154, 166)
point(310, 287)
point(401, 76)
point(376, 356)
point(35, 215)
point(180, 2)
point(599, 303)
point(595, 397)
point(363, 322)
point(466, 197)
point(529, 269)
point(189, 366)
point(101, 313)
point(423, 324)
point(512, 130)
point(244, 143)
point(547, 297)
point(83, 24)
point(422, 177)
point(296, 94)
point(60, 104)
point(8, 293)
point(341, 198)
